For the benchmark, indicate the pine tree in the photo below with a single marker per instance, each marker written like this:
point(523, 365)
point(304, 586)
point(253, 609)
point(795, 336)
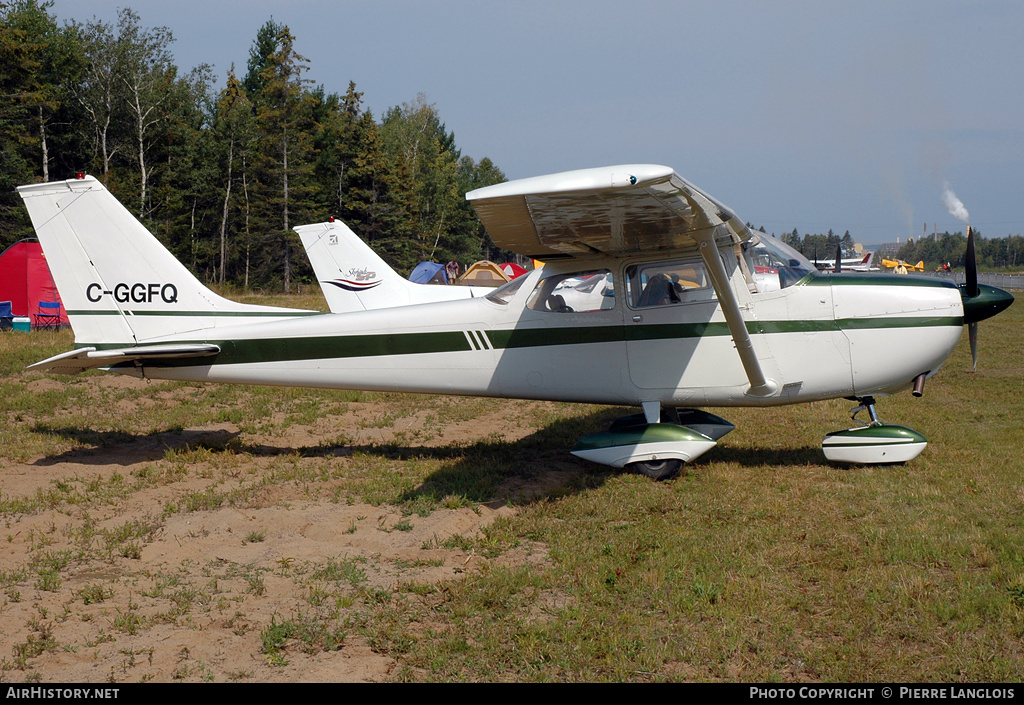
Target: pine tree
point(18, 88)
point(233, 134)
point(283, 161)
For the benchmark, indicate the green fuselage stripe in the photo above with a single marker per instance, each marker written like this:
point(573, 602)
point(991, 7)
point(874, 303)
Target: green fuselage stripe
point(234, 352)
point(237, 352)
point(909, 322)
point(874, 279)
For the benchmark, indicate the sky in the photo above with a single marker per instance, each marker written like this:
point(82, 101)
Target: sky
point(812, 115)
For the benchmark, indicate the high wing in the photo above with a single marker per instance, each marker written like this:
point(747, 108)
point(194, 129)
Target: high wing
point(614, 210)
point(621, 210)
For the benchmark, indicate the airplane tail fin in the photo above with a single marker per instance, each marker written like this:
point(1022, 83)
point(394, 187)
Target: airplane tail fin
point(354, 277)
point(120, 286)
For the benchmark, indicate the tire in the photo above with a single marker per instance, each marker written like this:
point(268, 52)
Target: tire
point(657, 469)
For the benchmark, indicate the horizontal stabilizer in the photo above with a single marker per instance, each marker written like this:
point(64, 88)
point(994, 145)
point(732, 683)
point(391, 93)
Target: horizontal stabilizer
point(82, 359)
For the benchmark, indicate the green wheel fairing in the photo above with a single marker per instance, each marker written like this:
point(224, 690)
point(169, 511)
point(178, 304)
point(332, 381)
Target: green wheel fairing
point(881, 444)
point(649, 433)
point(880, 435)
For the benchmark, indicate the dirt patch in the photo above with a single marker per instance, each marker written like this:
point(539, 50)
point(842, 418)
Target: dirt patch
point(191, 603)
point(212, 553)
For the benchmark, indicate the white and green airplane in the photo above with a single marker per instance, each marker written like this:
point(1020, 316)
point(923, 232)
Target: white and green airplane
point(688, 308)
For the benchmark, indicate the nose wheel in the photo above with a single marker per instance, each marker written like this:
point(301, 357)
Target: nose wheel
point(873, 442)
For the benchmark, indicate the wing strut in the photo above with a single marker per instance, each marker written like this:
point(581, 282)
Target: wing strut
point(760, 386)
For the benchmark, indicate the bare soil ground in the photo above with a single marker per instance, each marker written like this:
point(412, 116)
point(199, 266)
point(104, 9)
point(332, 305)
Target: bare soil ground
point(119, 573)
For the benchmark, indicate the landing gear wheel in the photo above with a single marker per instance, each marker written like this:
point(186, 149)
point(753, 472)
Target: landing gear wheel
point(657, 469)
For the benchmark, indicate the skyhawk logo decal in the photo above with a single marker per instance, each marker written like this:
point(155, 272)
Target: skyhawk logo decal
point(358, 280)
point(353, 286)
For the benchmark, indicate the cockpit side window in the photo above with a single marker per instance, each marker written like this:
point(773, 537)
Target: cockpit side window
point(667, 283)
point(574, 292)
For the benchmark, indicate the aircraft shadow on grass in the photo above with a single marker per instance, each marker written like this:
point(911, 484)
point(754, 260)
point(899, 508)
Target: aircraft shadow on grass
point(486, 470)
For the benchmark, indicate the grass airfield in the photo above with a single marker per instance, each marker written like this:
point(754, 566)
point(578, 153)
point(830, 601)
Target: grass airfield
point(763, 563)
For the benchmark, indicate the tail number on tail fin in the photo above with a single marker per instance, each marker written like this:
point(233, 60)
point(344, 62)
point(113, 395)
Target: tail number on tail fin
point(138, 293)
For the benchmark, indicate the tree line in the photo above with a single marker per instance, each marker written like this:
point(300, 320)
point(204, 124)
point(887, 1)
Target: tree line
point(818, 246)
point(935, 251)
point(950, 248)
point(943, 248)
point(222, 175)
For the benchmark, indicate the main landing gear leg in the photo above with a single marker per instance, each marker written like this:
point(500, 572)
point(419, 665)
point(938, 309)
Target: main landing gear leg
point(869, 404)
point(874, 442)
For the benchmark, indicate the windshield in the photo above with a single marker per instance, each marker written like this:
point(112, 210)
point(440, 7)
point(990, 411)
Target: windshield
point(504, 293)
point(775, 265)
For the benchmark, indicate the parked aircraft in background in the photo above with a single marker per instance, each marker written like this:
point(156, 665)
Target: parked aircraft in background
point(847, 264)
point(696, 310)
point(354, 278)
point(898, 265)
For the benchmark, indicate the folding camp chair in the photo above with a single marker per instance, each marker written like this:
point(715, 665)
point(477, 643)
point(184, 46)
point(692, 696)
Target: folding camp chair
point(6, 316)
point(48, 315)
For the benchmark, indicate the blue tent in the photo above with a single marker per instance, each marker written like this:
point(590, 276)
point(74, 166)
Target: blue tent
point(429, 273)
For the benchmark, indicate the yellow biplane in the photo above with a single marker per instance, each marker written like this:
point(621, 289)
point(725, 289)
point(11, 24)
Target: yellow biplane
point(900, 267)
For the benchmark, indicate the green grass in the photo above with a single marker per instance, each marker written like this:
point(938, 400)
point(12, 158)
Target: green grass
point(763, 563)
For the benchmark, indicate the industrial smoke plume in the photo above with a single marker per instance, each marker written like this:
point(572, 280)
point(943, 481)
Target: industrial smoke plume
point(954, 205)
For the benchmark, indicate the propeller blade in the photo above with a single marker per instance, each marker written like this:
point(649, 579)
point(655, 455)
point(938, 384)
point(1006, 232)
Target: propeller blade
point(839, 259)
point(980, 301)
point(972, 334)
point(971, 266)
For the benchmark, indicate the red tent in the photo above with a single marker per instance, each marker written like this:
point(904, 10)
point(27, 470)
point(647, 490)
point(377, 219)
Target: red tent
point(25, 281)
point(512, 270)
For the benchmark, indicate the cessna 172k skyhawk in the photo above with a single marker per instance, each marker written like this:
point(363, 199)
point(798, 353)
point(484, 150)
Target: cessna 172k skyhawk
point(693, 310)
